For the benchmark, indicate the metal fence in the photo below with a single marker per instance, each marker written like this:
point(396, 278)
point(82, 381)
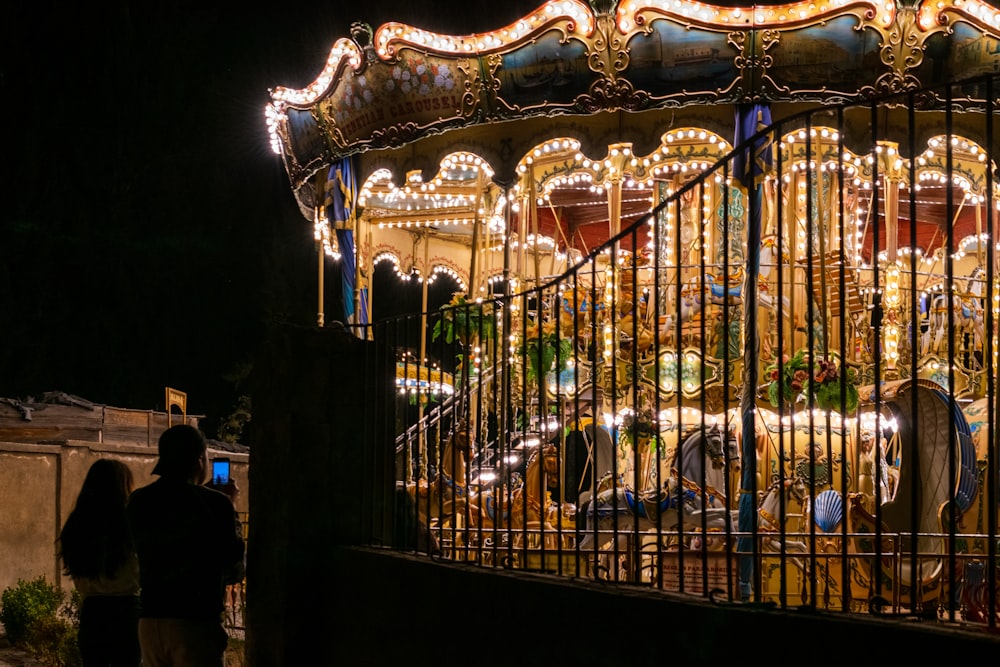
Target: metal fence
point(779, 386)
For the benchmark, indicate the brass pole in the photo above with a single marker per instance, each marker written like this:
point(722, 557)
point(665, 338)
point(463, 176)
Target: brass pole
point(533, 203)
point(473, 281)
point(319, 273)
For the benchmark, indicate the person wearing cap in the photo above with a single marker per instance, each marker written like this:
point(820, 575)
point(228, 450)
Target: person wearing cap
point(189, 543)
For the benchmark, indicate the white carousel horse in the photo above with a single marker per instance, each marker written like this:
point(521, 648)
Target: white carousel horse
point(618, 511)
point(691, 464)
point(769, 512)
point(967, 314)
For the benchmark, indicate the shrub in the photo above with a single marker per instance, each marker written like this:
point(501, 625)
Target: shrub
point(36, 619)
point(53, 640)
point(26, 602)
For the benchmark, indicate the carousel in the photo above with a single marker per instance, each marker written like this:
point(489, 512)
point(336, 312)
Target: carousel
point(725, 289)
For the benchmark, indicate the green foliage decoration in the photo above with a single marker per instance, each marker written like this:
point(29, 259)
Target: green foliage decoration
point(792, 382)
point(464, 321)
point(541, 350)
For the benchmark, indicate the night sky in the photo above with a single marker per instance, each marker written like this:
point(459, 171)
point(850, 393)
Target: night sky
point(150, 236)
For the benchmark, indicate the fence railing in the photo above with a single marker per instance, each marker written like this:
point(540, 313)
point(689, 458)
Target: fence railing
point(779, 386)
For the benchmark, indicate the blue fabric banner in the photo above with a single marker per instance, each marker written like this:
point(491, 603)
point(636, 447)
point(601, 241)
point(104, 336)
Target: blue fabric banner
point(750, 165)
point(340, 199)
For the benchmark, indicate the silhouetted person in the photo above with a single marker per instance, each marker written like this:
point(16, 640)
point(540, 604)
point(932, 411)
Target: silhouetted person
point(190, 547)
point(97, 553)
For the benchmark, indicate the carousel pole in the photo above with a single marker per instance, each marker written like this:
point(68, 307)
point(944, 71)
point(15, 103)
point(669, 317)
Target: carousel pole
point(980, 250)
point(505, 418)
point(791, 227)
point(533, 214)
point(561, 235)
point(558, 223)
point(319, 274)
point(422, 359)
point(522, 226)
point(473, 261)
point(486, 261)
point(821, 221)
point(423, 299)
point(891, 177)
point(539, 309)
point(473, 296)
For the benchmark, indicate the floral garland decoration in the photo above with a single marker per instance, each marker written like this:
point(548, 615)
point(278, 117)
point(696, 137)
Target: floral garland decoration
point(792, 382)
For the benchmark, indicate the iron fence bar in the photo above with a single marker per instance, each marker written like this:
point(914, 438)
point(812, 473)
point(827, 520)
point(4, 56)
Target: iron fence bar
point(952, 352)
point(989, 360)
point(844, 359)
point(783, 562)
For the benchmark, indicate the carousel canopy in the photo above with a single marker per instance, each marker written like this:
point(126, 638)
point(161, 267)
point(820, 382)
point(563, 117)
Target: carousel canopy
point(571, 122)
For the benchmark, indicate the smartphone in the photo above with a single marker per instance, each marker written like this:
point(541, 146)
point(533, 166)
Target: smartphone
point(220, 472)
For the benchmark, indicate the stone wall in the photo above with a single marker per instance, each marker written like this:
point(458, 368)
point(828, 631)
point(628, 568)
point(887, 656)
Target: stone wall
point(38, 487)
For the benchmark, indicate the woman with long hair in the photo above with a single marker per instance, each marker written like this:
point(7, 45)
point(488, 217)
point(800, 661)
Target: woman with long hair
point(97, 552)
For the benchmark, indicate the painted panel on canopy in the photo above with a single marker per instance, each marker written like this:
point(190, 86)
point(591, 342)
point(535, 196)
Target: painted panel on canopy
point(966, 53)
point(674, 60)
point(306, 139)
point(829, 57)
point(544, 74)
point(388, 103)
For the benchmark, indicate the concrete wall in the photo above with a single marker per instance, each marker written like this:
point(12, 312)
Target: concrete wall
point(38, 488)
point(398, 609)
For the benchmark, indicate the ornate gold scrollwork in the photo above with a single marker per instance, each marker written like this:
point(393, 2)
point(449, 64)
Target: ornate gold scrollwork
point(395, 135)
point(902, 50)
point(608, 56)
point(475, 87)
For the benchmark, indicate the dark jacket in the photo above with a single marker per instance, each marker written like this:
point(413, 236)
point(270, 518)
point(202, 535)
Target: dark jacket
point(190, 546)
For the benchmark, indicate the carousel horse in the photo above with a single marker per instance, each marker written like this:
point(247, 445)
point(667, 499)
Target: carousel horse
point(446, 495)
point(577, 305)
point(694, 299)
point(618, 511)
point(967, 314)
point(769, 512)
point(503, 507)
point(537, 520)
point(530, 503)
point(728, 294)
point(721, 447)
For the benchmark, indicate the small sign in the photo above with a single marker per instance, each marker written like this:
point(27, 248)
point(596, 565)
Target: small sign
point(694, 576)
point(178, 398)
